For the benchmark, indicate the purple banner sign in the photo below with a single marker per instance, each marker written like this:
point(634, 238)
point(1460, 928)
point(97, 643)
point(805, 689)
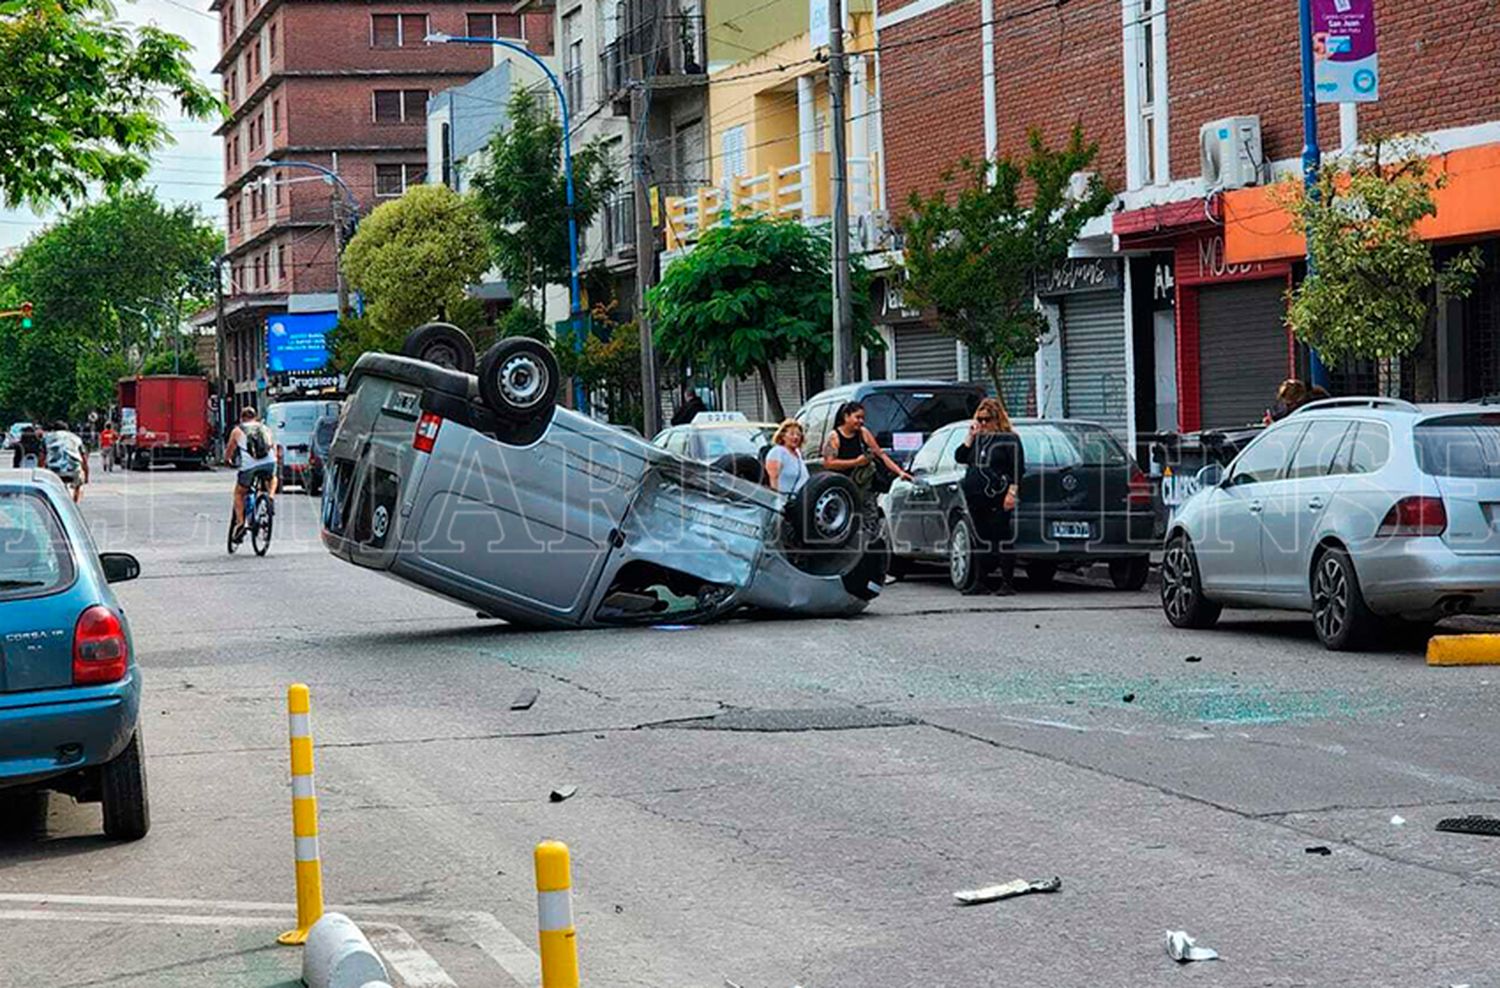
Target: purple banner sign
point(1345, 52)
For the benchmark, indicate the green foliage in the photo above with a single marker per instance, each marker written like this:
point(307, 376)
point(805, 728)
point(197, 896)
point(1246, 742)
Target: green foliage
point(975, 248)
point(522, 194)
point(751, 293)
point(412, 259)
point(166, 362)
point(81, 98)
point(110, 281)
point(522, 320)
point(610, 370)
point(1367, 296)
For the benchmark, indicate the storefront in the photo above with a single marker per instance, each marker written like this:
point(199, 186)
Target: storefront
point(1088, 294)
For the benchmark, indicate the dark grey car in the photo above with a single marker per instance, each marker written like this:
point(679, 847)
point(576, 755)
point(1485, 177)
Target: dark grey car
point(481, 490)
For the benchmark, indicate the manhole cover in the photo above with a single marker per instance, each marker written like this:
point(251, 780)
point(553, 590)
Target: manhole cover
point(831, 719)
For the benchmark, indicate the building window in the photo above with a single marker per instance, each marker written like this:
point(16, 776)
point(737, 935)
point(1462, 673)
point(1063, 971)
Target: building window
point(398, 30)
point(275, 181)
point(393, 106)
point(733, 147)
point(394, 179)
point(820, 131)
point(271, 41)
point(1146, 93)
point(495, 26)
point(281, 260)
point(276, 115)
point(687, 156)
point(573, 60)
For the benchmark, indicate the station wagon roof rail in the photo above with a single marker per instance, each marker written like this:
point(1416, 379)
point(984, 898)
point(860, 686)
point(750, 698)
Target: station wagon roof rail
point(1394, 404)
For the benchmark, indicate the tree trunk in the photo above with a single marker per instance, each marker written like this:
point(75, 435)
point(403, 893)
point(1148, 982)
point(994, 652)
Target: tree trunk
point(773, 397)
point(997, 370)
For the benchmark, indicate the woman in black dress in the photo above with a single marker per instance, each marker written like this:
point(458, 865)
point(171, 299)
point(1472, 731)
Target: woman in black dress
point(991, 486)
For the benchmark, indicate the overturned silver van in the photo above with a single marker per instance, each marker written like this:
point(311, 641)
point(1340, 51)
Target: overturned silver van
point(480, 489)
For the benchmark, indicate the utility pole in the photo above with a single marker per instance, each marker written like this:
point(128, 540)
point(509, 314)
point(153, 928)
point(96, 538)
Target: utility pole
point(843, 321)
point(221, 369)
point(645, 262)
point(338, 253)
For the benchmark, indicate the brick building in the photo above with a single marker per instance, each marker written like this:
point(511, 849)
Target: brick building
point(343, 86)
point(1170, 316)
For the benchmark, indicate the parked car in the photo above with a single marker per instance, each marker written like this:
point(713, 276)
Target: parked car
point(480, 489)
point(1373, 514)
point(900, 414)
point(1082, 501)
point(70, 686)
point(727, 440)
point(295, 423)
point(13, 434)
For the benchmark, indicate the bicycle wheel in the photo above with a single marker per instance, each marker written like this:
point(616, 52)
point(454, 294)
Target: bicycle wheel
point(260, 528)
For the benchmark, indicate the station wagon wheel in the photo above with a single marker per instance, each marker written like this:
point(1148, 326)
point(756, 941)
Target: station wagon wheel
point(1340, 615)
point(442, 344)
point(518, 379)
point(1182, 597)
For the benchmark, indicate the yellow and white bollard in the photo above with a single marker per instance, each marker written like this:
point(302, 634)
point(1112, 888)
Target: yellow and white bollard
point(557, 938)
point(304, 815)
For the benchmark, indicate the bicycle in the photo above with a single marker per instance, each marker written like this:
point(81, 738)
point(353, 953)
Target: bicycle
point(258, 517)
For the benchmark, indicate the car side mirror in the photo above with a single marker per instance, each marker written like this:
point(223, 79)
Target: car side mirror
point(119, 566)
point(1210, 475)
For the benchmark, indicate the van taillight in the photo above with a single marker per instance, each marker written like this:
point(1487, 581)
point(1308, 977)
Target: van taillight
point(427, 432)
point(100, 651)
point(1138, 494)
point(1415, 516)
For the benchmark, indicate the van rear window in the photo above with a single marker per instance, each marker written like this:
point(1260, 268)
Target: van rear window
point(1460, 446)
point(35, 557)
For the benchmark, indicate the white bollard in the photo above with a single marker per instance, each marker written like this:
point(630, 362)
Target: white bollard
point(337, 955)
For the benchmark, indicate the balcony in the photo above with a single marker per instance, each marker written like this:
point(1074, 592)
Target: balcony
point(799, 192)
point(666, 52)
point(619, 225)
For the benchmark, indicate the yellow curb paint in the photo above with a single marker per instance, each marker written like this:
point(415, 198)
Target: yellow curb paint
point(1463, 650)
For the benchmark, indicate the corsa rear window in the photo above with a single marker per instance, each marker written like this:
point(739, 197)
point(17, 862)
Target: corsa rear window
point(887, 412)
point(35, 557)
point(1460, 446)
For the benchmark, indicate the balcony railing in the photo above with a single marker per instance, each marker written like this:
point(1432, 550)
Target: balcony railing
point(619, 224)
point(799, 192)
point(663, 48)
point(573, 86)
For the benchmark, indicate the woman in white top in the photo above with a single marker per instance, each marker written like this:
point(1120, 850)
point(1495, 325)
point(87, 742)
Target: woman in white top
point(785, 470)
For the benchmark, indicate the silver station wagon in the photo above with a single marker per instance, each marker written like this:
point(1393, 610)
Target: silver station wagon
point(478, 488)
point(1376, 515)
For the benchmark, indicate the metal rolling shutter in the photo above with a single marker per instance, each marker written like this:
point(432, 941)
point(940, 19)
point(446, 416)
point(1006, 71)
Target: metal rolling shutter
point(925, 354)
point(1093, 352)
point(1018, 380)
point(746, 394)
point(1242, 350)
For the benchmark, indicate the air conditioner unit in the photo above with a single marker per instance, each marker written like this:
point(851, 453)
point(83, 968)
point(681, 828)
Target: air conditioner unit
point(1231, 153)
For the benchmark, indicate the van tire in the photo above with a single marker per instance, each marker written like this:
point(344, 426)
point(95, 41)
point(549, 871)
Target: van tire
point(440, 343)
point(826, 514)
point(122, 785)
point(518, 379)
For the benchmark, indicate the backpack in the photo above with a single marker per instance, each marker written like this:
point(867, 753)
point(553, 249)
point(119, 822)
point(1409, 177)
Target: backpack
point(60, 457)
point(257, 442)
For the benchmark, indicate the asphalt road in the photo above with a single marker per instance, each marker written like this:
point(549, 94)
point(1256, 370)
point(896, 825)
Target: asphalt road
point(763, 804)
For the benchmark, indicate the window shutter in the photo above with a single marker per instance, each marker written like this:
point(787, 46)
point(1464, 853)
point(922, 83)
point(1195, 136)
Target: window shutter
point(387, 106)
point(413, 30)
point(383, 30)
point(416, 105)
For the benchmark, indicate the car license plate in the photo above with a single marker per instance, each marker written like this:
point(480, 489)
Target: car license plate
point(1071, 530)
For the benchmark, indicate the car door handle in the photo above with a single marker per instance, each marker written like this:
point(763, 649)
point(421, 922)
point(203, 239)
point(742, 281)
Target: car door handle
point(1316, 504)
point(1256, 506)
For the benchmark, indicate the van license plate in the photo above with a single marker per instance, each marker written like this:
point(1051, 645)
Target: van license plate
point(1071, 530)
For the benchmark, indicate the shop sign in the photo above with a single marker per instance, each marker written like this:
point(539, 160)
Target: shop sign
point(1344, 56)
point(1213, 267)
point(893, 307)
point(1081, 274)
point(1163, 285)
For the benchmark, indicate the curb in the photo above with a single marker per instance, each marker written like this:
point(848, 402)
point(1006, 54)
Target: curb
point(1463, 650)
point(337, 955)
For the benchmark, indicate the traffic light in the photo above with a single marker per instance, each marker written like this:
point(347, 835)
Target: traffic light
point(25, 315)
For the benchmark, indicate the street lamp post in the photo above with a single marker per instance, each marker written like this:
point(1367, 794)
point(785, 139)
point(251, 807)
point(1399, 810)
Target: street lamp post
point(575, 293)
point(1312, 154)
point(348, 201)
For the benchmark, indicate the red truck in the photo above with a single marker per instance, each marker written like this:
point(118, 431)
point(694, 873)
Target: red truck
point(164, 419)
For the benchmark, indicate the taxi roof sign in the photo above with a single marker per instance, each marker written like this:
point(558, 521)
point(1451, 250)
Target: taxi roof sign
point(703, 418)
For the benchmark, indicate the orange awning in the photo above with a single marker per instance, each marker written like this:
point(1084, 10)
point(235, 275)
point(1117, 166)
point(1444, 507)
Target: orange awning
point(1257, 229)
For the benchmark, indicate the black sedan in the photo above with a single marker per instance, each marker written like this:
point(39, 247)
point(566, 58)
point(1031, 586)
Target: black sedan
point(1083, 501)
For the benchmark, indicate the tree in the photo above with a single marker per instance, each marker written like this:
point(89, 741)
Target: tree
point(522, 195)
point(975, 255)
point(112, 281)
point(750, 294)
point(167, 362)
point(81, 98)
point(413, 259)
point(1367, 293)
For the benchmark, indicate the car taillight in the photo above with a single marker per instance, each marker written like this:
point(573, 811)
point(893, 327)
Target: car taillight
point(427, 432)
point(100, 651)
point(1412, 516)
point(1138, 493)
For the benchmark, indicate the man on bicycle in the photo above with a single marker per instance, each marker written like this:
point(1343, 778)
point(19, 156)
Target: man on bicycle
point(253, 445)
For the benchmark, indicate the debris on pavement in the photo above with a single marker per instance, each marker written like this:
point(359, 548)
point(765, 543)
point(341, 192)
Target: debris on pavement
point(1398, 820)
point(1128, 697)
point(1182, 948)
point(1194, 658)
point(994, 893)
point(562, 792)
point(525, 698)
point(674, 627)
point(1320, 849)
point(1483, 826)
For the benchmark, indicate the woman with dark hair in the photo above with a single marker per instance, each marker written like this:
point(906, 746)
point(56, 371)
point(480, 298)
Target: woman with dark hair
point(851, 449)
point(992, 488)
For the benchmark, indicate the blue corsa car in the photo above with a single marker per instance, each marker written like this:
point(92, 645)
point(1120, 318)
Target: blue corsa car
point(70, 688)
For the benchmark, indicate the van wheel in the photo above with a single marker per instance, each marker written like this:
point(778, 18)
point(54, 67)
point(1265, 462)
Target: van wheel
point(965, 562)
point(826, 514)
point(1182, 597)
point(1340, 616)
point(1130, 574)
point(122, 783)
point(518, 379)
point(441, 343)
